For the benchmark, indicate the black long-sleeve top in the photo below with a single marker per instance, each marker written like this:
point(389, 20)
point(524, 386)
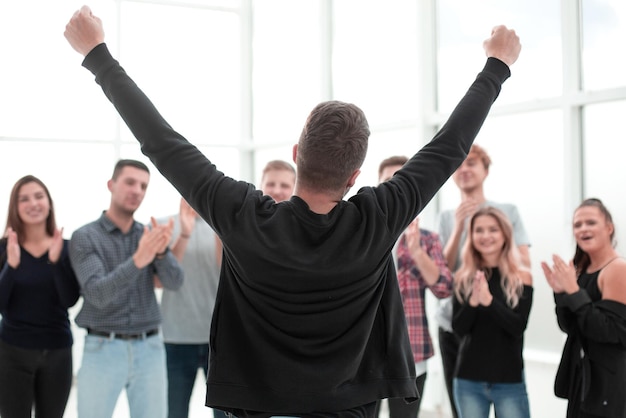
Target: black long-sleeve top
point(308, 315)
point(492, 337)
point(592, 370)
point(34, 298)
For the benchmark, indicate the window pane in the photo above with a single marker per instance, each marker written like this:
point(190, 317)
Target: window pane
point(44, 91)
point(375, 62)
point(188, 62)
point(465, 24)
point(286, 71)
point(604, 31)
point(604, 177)
point(77, 184)
point(230, 4)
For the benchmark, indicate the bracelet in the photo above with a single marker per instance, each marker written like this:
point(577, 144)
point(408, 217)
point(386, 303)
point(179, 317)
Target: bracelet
point(185, 236)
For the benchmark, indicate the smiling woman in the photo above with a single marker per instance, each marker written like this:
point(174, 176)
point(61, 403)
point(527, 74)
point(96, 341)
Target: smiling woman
point(493, 298)
point(590, 296)
point(37, 286)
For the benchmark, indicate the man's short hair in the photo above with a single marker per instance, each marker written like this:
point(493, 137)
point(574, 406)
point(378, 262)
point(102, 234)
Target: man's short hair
point(333, 145)
point(480, 153)
point(278, 165)
point(128, 163)
point(395, 160)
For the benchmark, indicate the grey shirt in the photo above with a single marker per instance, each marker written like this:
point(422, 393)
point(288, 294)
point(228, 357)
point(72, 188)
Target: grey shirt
point(187, 311)
point(446, 226)
point(117, 296)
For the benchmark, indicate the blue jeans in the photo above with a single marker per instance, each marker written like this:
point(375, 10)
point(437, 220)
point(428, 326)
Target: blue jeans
point(183, 362)
point(111, 365)
point(474, 399)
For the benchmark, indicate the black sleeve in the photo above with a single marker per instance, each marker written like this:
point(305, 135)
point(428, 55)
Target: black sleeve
point(463, 316)
point(603, 321)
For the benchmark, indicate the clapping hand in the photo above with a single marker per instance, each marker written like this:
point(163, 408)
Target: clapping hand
point(480, 290)
point(54, 252)
point(13, 249)
point(561, 276)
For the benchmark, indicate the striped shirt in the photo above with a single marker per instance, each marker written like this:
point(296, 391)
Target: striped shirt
point(117, 296)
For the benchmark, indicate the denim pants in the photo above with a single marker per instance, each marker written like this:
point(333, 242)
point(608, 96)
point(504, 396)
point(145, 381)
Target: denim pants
point(474, 399)
point(110, 365)
point(183, 362)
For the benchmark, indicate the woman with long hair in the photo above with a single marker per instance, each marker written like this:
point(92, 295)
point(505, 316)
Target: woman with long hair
point(590, 296)
point(493, 295)
point(37, 286)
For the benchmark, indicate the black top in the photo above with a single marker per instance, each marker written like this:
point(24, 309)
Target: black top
point(34, 299)
point(492, 336)
point(308, 315)
point(592, 371)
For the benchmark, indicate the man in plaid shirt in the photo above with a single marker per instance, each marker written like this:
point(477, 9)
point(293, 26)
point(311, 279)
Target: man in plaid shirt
point(420, 265)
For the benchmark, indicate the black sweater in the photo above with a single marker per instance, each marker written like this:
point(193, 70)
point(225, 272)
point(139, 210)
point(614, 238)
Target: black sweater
point(308, 314)
point(34, 299)
point(492, 337)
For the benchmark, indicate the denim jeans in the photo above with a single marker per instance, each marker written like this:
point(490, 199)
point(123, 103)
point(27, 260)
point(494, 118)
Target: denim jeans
point(183, 362)
point(474, 399)
point(110, 365)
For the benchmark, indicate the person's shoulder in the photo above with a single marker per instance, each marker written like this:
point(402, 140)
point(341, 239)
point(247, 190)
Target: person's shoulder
point(86, 228)
point(616, 268)
point(428, 233)
point(527, 277)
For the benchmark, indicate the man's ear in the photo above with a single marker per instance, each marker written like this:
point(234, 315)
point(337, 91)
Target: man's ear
point(110, 185)
point(353, 177)
point(295, 153)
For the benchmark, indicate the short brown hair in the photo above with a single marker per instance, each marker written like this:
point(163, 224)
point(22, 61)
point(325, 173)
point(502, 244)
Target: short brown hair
point(395, 160)
point(333, 144)
point(13, 218)
point(481, 154)
point(278, 165)
point(119, 166)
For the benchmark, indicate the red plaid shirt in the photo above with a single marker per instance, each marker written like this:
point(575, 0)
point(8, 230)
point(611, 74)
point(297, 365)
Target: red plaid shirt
point(413, 290)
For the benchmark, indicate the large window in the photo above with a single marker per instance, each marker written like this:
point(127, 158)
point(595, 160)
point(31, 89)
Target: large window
point(57, 124)
point(238, 79)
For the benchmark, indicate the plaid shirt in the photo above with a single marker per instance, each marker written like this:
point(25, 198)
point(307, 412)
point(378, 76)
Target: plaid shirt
point(413, 290)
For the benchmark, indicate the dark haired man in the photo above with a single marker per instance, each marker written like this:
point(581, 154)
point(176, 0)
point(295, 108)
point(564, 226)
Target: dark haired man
point(115, 259)
point(308, 321)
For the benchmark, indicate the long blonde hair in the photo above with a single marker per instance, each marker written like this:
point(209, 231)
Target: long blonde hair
point(509, 262)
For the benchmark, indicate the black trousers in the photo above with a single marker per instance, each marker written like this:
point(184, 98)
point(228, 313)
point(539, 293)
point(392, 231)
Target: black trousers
point(398, 408)
point(39, 378)
point(449, 348)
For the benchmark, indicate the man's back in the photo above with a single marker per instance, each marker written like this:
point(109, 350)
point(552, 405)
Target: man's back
point(308, 312)
point(288, 271)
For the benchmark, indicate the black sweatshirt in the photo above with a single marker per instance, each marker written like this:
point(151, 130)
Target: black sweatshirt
point(308, 316)
point(492, 337)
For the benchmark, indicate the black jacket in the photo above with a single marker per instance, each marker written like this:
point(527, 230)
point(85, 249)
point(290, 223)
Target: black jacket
point(598, 372)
